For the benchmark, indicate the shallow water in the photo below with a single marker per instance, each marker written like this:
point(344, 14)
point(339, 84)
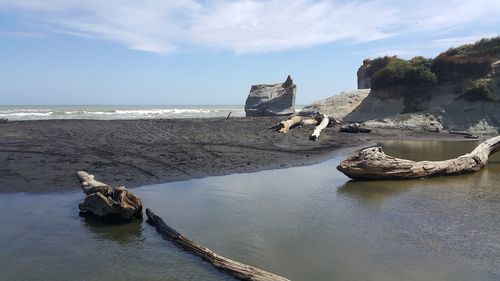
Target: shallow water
point(305, 223)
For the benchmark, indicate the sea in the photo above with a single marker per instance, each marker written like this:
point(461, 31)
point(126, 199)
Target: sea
point(113, 112)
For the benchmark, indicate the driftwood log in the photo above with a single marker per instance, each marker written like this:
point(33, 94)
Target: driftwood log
point(324, 121)
point(321, 121)
point(285, 125)
point(372, 164)
point(236, 269)
point(108, 202)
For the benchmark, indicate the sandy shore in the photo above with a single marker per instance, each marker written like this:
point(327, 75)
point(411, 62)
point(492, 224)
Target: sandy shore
point(41, 156)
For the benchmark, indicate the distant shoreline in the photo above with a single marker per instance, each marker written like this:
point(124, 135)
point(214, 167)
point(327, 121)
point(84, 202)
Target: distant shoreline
point(43, 155)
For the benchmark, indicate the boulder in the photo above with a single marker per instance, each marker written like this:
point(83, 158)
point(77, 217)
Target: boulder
point(4, 120)
point(337, 106)
point(271, 100)
point(108, 202)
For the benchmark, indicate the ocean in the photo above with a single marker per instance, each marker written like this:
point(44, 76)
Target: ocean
point(113, 112)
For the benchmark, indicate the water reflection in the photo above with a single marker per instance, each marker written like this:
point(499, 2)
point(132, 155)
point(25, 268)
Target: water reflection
point(124, 233)
point(371, 192)
point(430, 150)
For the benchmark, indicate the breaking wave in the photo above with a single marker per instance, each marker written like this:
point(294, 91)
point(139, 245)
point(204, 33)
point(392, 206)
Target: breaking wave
point(119, 112)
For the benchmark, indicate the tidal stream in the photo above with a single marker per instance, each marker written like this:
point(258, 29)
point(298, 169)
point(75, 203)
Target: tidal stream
point(304, 223)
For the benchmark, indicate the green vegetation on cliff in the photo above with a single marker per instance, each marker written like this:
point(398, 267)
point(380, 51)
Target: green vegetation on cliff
point(470, 61)
point(479, 90)
point(391, 71)
point(467, 65)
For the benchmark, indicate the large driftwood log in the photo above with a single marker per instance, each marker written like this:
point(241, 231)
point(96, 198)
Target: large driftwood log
point(324, 121)
point(236, 269)
point(372, 163)
point(285, 125)
point(105, 201)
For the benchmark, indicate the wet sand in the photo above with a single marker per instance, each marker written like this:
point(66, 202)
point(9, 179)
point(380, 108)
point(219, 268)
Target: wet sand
point(42, 156)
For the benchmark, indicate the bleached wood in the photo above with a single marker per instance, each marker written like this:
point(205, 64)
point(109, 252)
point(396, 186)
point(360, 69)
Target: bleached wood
point(90, 185)
point(286, 125)
point(372, 163)
point(236, 269)
point(105, 201)
point(322, 125)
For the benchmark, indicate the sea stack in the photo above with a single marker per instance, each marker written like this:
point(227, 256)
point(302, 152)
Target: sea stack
point(271, 100)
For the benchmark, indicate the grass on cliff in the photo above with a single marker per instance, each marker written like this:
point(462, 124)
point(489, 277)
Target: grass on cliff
point(392, 71)
point(471, 61)
point(465, 63)
point(479, 90)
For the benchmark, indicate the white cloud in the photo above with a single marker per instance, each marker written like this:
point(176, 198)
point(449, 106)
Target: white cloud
point(458, 41)
point(430, 49)
point(259, 26)
point(250, 25)
point(20, 34)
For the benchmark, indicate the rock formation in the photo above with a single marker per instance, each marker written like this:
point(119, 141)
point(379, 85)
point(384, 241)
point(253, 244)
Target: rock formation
point(271, 100)
point(337, 106)
point(4, 120)
point(459, 90)
point(480, 117)
point(108, 202)
point(364, 80)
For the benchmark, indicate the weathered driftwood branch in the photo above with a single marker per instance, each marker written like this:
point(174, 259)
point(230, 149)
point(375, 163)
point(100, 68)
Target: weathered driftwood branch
point(105, 201)
point(323, 123)
point(372, 163)
point(236, 269)
point(285, 125)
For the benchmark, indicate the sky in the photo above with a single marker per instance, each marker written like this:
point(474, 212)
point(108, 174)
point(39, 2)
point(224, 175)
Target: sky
point(189, 52)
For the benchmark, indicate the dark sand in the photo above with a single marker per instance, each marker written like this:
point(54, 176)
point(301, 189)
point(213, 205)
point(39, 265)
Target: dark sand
point(41, 156)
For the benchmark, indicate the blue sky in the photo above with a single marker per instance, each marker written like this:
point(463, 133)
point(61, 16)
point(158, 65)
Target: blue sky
point(211, 52)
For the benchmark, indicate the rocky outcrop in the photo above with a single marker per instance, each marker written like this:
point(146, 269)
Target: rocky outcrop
point(108, 202)
point(271, 100)
point(424, 122)
point(392, 101)
point(459, 90)
point(364, 79)
point(480, 117)
point(337, 106)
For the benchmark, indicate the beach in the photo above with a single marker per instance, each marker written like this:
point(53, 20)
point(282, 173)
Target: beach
point(44, 155)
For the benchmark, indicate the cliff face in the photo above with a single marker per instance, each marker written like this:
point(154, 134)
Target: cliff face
point(271, 100)
point(481, 117)
point(495, 79)
point(364, 79)
point(457, 90)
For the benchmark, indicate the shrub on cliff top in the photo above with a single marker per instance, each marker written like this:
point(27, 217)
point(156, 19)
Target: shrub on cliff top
point(479, 90)
point(391, 71)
